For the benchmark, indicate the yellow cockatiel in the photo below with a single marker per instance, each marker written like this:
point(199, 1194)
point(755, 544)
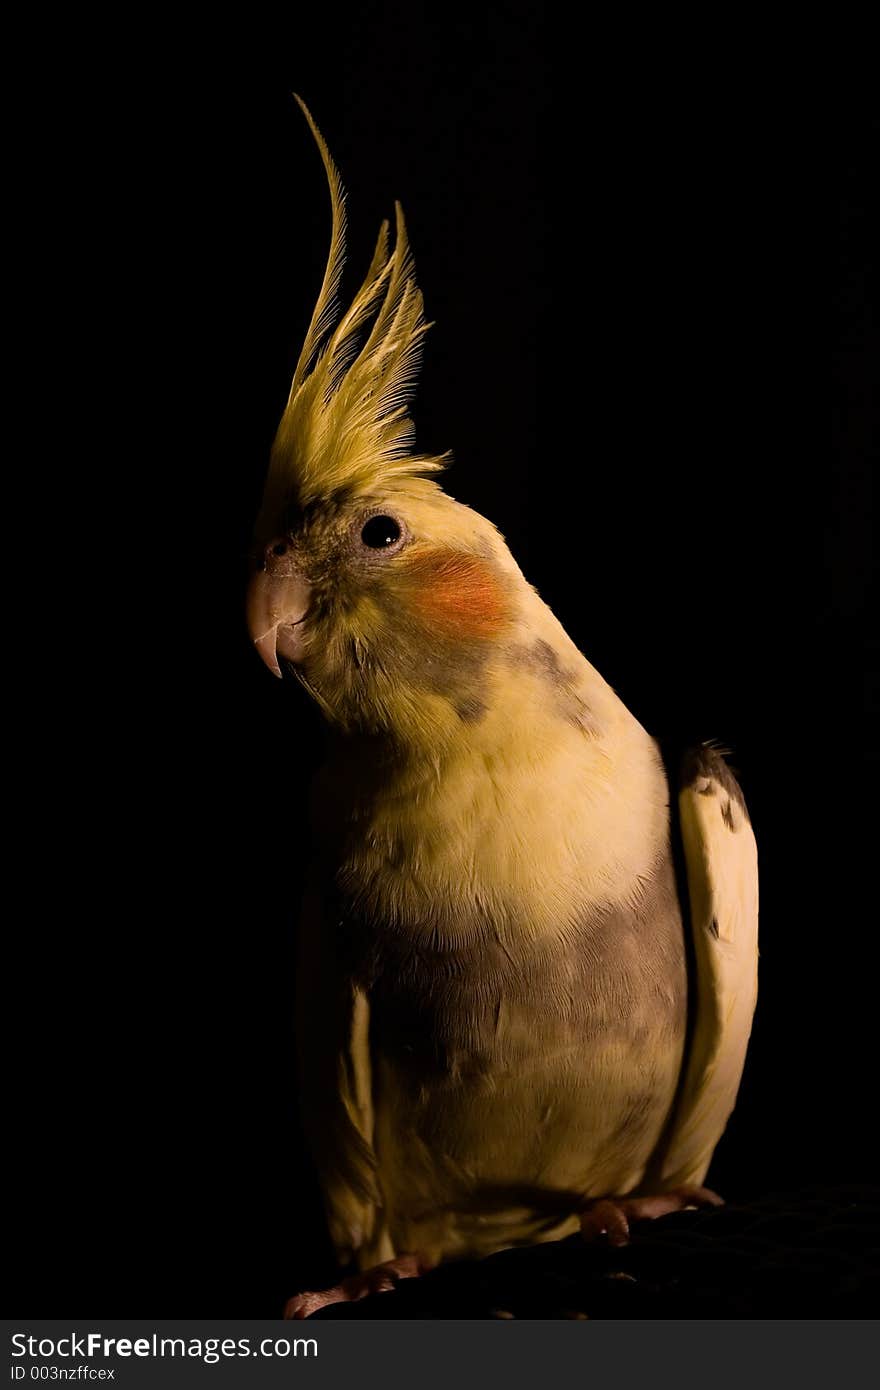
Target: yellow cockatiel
point(498, 1026)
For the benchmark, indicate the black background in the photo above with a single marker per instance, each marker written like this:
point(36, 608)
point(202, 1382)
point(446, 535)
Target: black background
point(626, 253)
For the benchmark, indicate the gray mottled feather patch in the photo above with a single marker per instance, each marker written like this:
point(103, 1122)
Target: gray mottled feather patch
point(727, 815)
point(540, 658)
point(705, 763)
point(607, 973)
point(471, 709)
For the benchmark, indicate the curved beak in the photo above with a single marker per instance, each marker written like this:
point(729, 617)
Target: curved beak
point(276, 606)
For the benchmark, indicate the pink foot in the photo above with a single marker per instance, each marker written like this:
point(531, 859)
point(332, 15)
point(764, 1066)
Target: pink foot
point(610, 1216)
point(380, 1279)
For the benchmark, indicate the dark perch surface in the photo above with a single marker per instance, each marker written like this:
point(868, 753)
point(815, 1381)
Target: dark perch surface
point(812, 1254)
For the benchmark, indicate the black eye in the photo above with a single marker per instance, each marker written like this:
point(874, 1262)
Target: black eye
point(380, 531)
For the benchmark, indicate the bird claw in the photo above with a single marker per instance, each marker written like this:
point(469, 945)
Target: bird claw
point(380, 1279)
point(610, 1217)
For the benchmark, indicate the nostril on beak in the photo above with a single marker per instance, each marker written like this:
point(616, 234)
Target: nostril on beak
point(277, 556)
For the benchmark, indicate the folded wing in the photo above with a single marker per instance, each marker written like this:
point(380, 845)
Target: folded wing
point(722, 876)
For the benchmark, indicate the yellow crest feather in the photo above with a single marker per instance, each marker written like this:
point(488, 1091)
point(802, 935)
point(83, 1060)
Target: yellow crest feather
point(346, 426)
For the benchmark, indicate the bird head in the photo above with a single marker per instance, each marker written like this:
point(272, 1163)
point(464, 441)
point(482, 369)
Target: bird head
point(384, 596)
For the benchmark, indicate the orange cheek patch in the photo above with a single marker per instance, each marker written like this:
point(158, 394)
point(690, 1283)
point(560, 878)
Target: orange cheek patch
point(460, 594)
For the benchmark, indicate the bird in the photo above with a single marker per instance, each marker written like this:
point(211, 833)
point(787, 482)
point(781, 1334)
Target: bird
point(516, 1016)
